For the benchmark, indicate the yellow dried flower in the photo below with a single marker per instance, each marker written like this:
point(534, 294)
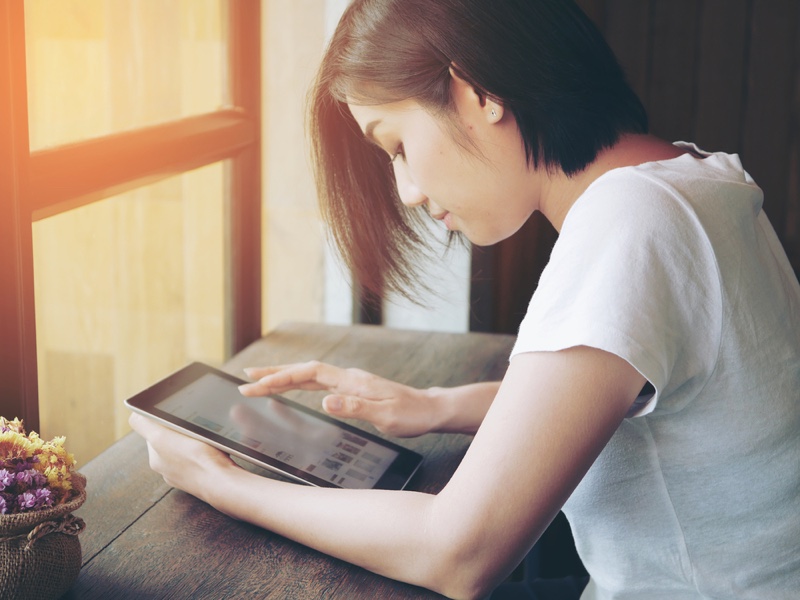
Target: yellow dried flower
point(27, 459)
point(15, 425)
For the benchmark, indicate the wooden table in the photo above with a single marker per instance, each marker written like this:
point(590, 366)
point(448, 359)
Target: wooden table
point(144, 539)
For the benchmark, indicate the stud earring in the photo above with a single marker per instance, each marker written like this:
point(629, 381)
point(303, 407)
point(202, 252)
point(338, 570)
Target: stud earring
point(494, 113)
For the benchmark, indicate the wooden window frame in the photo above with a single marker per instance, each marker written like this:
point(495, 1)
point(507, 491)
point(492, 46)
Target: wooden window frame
point(35, 185)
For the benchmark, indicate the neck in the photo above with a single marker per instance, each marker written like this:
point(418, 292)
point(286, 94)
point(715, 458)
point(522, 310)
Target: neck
point(559, 192)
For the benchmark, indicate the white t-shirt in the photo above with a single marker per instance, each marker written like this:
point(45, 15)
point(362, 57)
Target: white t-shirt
point(673, 266)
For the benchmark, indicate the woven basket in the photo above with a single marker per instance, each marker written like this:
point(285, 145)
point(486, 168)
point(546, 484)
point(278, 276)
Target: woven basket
point(40, 553)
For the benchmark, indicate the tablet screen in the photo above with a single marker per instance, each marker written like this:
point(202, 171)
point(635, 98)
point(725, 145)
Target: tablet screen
point(274, 432)
point(272, 427)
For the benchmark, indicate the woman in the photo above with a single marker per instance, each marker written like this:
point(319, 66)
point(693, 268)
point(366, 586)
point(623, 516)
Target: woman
point(666, 273)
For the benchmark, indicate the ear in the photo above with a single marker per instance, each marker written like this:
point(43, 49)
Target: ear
point(468, 97)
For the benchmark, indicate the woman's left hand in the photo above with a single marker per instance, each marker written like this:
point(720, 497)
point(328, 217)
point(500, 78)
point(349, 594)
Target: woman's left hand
point(183, 462)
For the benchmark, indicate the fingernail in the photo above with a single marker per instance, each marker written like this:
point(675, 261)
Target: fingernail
point(333, 403)
point(249, 371)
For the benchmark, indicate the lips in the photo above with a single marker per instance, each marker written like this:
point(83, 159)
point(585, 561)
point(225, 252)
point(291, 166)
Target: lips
point(446, 218)
point(448, 221)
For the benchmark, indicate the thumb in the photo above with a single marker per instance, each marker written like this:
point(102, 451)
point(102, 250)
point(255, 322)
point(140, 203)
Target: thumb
point(345, 406)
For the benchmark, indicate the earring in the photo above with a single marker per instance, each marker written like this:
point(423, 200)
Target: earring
point(494, 113)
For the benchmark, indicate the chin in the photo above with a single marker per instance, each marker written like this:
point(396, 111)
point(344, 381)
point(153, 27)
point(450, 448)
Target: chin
point(496, 234)
point(484, 239)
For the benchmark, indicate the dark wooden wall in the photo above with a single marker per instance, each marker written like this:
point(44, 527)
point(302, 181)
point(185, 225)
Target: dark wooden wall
point(722, 73)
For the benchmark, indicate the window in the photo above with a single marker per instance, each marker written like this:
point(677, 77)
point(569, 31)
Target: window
point(129, 143)
point(128, 289)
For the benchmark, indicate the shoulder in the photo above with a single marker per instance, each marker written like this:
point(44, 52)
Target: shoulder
point(686, 195)
point(626, 212)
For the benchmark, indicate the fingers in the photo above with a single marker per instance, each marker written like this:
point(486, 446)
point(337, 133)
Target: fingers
point(156, 434)
point(176, 457)
point(259, 372)
point(142, 425)
point(381, 413)
point(312, 375)
point(342, 406)
point(391, 407)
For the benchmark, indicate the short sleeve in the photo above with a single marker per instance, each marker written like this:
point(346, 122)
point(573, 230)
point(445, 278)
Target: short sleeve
point(634, 274)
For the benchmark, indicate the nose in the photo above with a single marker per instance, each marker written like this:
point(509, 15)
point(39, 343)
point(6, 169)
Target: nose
point(410, 194)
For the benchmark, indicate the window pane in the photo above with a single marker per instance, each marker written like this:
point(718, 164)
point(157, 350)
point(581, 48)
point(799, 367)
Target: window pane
point(127, 290)
point(102, 66)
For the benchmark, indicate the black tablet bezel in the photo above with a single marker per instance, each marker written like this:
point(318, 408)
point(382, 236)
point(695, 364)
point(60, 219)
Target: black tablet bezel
point(396, 477)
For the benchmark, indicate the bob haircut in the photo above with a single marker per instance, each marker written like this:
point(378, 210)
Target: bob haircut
point(543, 60)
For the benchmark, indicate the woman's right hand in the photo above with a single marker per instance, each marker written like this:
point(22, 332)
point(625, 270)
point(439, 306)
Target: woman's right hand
point(394, 409)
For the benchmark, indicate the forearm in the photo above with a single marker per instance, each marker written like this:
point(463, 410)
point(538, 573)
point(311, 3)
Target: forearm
point(462, 409)
point(404, 535)
point(383, 531)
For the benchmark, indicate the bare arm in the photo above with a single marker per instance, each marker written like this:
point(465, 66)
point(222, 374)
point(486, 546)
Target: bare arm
point(554, 413)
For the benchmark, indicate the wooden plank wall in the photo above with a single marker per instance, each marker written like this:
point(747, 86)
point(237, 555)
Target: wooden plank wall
point(722, 73)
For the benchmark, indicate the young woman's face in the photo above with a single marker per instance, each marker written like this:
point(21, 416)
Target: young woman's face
point(484, 190)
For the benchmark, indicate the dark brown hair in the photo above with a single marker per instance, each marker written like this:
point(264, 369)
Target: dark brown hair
point(543, 60)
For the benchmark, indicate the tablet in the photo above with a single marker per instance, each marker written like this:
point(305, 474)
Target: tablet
point(274, 432)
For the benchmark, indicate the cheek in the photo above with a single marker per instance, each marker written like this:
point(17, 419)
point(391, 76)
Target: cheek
point(426, 174)
point(440, 170)
point(431, 153)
